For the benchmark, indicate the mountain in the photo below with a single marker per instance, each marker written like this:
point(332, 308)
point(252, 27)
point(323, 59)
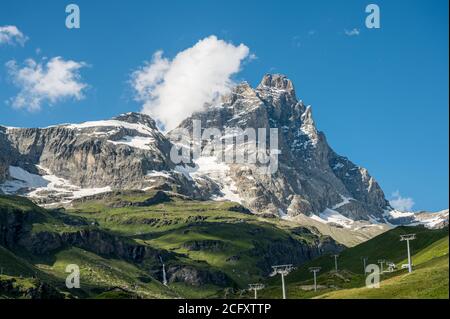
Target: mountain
point(311, 178)
point(430, 220)
point(64, 162)
point(200, 211)
point(58, 164)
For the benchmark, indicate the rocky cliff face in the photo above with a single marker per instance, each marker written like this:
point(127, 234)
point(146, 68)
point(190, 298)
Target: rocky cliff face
point(291, 252)
point(4, 154)
point(70, 161)
point(311, 177)
point(94, 154)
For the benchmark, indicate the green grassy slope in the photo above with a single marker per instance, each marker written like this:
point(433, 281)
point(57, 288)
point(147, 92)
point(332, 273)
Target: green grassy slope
point(429, 279)
point(386, 246)
point(22, 277)
point(437, 249)
point(208, 236)
point(19, 203)
point(180, 225)
point(14, 265)
point(99, 274)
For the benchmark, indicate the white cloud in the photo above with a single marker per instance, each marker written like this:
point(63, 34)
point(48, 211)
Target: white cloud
point(401, 203)
point(10, 34)
point(353, 32)
point(172, 90)
point(47, 81)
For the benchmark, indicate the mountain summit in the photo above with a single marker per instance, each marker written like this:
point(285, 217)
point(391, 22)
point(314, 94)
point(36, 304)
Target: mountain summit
point(277, 81)
point(311, 178)
point(60, 163)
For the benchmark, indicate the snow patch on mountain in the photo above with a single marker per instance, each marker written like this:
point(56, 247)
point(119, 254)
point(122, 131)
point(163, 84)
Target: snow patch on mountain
point(141, 128)
point(27, 178)
point(163, 174)
point(391, 218)
point(37, 186)
point(394, 214)
point(430, 220)
point(140, 142)
point(218, 171)
point(283, 215)
point(330, 216)
point(308, 126)
point(345, 201)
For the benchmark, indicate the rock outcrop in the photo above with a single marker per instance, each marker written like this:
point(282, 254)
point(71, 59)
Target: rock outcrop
point(310, 177)
point(69, 161)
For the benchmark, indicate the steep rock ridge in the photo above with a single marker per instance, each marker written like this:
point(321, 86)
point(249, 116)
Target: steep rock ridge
point(74, 160)
point(3, 170)
point(310, 178)
point(6, 153)
point(90, 150)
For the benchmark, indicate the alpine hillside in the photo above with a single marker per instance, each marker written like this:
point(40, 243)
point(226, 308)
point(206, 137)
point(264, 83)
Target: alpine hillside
point(57, 164)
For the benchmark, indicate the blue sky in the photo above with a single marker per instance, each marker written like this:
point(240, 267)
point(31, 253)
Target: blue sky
point(381, 96)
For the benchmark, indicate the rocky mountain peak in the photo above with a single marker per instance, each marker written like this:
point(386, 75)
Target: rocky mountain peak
point(276, 81)
point(308, 126)
point(243, 88)
point(137, 118)
point(311, 178)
